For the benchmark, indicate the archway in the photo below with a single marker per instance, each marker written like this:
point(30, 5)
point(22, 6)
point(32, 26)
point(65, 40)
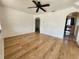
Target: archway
point(37, 25)
point(71, 26)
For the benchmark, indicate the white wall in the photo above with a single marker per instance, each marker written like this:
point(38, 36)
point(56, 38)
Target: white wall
point(1, 42)
point(53, 23)
point(15, 22)
point(77, 24)
point(1, 47)
point(78, 37)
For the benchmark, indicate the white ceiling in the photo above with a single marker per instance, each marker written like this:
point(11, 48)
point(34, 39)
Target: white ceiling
point(23, 4)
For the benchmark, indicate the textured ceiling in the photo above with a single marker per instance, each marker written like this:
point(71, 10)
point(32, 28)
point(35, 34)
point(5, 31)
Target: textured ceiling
point(24, 4)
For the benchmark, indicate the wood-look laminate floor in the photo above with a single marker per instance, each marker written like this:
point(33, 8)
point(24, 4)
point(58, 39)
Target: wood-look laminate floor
point(39, 46)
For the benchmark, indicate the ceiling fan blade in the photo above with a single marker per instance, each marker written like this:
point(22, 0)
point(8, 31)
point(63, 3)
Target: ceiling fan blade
point(32, 7)
point(34, 2)
point(45, 5)
point(42, 9)
point(37, 10)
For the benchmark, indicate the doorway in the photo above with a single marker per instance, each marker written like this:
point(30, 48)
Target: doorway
point(37, 25)
point(71, 27)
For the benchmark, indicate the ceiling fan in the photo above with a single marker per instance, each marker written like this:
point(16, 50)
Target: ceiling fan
point(39, 6)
